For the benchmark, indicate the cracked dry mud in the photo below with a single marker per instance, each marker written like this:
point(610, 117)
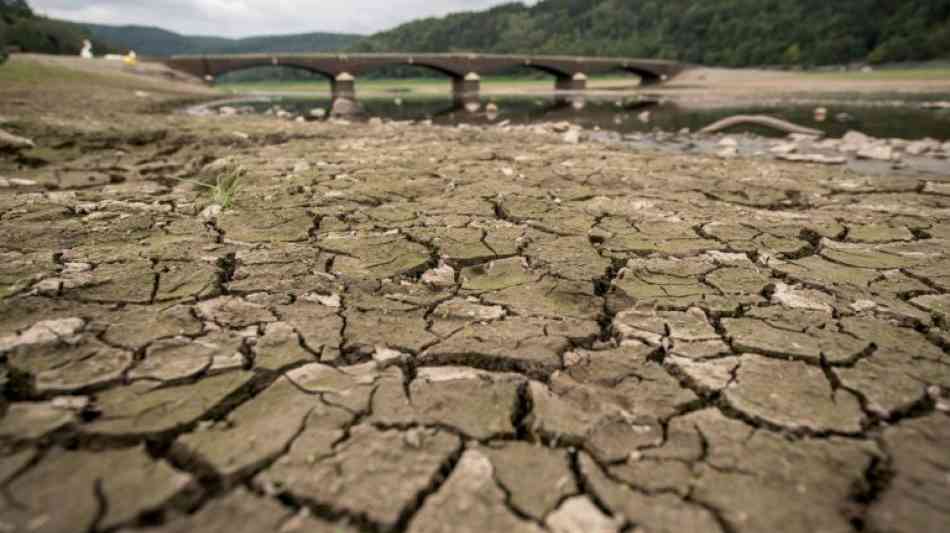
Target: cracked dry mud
point(391, 331)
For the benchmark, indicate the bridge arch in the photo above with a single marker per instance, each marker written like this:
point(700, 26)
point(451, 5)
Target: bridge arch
point(647, 77)
point(342, 84)
point(229, 69)
point(465, 82)
point(428, 65)
point(558, 73)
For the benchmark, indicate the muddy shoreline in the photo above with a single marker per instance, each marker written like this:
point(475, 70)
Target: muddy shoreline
point(854, 149)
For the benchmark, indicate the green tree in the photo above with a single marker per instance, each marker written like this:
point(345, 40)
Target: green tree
point(792, 55)
point(714, 32)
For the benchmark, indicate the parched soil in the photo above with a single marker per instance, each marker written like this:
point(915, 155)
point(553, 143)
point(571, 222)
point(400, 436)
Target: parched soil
point(411, 328)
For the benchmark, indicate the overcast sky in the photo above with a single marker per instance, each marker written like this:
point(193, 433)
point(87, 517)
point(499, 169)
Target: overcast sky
point(241, 18)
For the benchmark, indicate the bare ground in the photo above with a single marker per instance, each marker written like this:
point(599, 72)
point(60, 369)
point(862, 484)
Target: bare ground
point(411, 328)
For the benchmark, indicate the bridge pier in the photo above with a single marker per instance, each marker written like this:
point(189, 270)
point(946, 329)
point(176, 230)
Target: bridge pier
point(466, 89)
point(343, 91)
point(577, 82)
point(343, 86)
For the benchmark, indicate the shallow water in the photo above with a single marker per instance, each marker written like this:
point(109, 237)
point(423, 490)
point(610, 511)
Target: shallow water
point(637, 114)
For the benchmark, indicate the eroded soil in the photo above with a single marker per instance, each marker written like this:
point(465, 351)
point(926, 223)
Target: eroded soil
point(410, 328)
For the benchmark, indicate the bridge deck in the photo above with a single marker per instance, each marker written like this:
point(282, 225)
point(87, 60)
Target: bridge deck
point(454, 65)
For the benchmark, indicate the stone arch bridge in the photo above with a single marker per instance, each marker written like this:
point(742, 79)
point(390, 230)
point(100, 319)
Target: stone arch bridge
point(465, 70)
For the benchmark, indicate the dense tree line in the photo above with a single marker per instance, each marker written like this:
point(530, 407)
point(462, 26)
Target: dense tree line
point(22, 29)
point(158, 42)
point(733, 33)
point(27, 31)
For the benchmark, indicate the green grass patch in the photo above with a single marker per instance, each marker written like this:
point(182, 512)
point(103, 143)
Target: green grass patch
point(20, 70)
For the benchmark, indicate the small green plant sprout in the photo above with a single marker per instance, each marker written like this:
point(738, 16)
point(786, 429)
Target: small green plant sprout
point(222, 178)
point(224, 189)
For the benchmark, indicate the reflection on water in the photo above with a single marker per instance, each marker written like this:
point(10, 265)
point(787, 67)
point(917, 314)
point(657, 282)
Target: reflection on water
point(635, 114)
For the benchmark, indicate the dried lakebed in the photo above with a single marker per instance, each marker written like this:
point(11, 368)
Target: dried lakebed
point(429, 329)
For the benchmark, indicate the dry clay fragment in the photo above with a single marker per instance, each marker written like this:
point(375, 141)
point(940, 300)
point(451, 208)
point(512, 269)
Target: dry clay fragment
point(60, 493)
point(61, 360)
point(362, 471)
point(470, 501)
point(242, 512)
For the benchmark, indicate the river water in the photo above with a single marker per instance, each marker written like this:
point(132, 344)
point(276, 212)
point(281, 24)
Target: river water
point(882, 118)
point(641, 121)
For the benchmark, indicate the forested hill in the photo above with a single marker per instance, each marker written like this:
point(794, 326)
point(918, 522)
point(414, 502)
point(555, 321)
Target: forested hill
point(158, 42)
point(713, 32)
point(21, 28)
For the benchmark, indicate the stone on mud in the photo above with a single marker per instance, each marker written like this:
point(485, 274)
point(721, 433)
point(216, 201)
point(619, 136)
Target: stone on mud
point(14, 143)
point(45, 332)
point(440, 278)
point(578, 514)
point(799, 298)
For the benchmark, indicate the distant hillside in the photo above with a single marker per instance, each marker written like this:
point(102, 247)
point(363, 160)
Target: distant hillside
point(20, 28)
point(713, 32)
point(735, 33)
point(151, 41)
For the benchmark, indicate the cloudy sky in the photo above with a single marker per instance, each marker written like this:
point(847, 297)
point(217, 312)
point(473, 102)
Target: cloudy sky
point(240, 18)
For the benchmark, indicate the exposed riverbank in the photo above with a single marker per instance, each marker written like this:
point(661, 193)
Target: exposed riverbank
point(216, 322)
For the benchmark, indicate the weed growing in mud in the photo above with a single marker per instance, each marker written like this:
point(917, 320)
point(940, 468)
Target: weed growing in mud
point(223, 190)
